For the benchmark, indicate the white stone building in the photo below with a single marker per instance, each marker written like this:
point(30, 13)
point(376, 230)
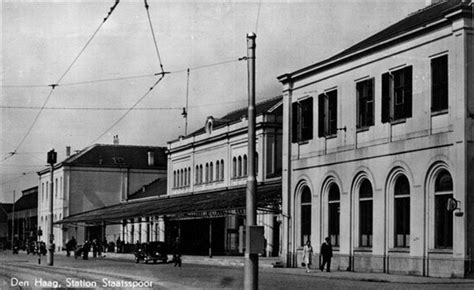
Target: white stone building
point(378, 149)
point(212, 163)
point(95, 177)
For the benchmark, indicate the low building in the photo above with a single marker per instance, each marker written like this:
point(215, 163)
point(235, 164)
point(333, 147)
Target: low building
point(95, 177)
point(26, 216)
point(5, 238)
point(378, 149)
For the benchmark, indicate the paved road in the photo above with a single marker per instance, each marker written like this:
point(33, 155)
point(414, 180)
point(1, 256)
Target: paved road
point(68, 272)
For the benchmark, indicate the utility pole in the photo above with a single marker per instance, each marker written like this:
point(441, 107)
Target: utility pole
point(13, 221)
point(52, 156)
point(251, 258)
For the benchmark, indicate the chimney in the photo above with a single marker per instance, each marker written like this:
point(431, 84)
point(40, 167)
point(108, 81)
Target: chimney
point(151, 158)
point(116, 140)
point(68, 151)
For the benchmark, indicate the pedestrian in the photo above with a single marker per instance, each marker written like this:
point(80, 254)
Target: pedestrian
point(307, 255)
point(85, 250)
point(326, 253)
point(119, 245)
point(177, 253)
point(71, 246)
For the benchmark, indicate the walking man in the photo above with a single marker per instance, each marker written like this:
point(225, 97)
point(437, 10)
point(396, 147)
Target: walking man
point(326, 252)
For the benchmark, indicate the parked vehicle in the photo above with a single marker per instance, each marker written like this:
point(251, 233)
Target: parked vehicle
point(151, 251)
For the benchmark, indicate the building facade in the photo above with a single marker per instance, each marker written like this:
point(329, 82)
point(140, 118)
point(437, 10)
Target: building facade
point(378, 149)
point(93, 178)
point(25, 215)
point(213, 161)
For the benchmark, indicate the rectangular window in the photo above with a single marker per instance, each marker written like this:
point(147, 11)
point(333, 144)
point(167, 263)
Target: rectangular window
point(365, 103)
point(443, 221)
point(402, 221)
point(397, 94)
point(327, 106)
point(305, 223)
point(302, 120)
point(334, 223)
point(365, 211)
point(439, 83)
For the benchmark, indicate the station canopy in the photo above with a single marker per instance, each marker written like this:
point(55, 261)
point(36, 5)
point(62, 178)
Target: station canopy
point(207, 204)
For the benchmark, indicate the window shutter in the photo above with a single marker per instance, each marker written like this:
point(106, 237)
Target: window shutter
point(385, 97)
point(321, 117)
point(408, 87)
point(294, 121)
point(307, 122)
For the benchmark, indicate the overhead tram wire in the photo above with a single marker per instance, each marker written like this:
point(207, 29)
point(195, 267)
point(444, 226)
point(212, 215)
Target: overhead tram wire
point(53, 86)
point(130, 109)
point(154, 37)
point(126, 77)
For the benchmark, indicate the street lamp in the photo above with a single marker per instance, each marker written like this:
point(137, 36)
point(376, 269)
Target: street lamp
point(52, 156)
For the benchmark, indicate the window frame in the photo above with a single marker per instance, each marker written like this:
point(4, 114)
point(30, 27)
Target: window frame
point(366, 221)
point(302, 120)
point(327, 108)
point(443, 195)
point(439, 84)
point(400, 211)
point(334, 216)
point(397, 95)
point(365, 90)
point(305, 215)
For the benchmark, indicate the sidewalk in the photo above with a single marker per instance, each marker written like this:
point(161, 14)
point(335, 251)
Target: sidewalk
point(266, 265)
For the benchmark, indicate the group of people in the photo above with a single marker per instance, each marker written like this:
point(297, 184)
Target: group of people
point(85, 249)
point(326, 254)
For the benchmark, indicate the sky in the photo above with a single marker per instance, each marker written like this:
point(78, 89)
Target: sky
point(42, 41)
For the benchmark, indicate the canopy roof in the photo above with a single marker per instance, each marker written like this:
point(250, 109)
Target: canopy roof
point(196, 205)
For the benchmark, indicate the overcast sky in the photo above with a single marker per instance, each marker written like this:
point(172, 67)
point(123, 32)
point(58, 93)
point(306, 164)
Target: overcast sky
point(40, 40)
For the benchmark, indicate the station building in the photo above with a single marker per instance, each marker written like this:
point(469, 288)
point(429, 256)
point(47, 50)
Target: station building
point(93, 178)
point(213, 162)
point(378, 149)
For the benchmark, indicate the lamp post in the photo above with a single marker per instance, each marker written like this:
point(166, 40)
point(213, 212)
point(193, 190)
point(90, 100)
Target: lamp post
point(52, 156)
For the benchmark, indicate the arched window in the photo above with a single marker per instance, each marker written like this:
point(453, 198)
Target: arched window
point(305, 215)
point(234, 167)
point(174, 178)
point(200, 173)
point(218, 170)
point(402, 212)
point(189, 176)
point(181, 177)
point(239, 166)
point(443, 217)
point(245, 165)
point(333, 218)
point(207, 172)
point(222, 169)
point(365, 214)
point(197, 174)
point(185, 177)
point(211, 172)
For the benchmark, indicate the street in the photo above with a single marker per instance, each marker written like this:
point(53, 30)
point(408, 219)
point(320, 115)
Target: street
point(23, 272)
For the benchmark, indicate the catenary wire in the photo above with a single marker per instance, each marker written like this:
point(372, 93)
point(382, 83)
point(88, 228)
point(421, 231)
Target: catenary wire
point(126, 77)
point(60, 79)
point(130, 109)
point(154, 37)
